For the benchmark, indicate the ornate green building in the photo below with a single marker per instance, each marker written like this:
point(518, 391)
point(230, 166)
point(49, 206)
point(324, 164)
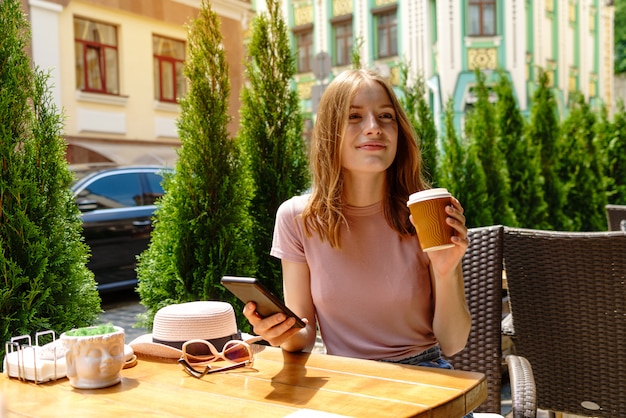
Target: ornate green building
point(446, 40)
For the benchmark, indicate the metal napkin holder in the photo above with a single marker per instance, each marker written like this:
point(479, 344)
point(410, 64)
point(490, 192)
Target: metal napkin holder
point(22, 347)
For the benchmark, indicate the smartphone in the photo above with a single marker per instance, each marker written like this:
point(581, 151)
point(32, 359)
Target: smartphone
point(249, 289)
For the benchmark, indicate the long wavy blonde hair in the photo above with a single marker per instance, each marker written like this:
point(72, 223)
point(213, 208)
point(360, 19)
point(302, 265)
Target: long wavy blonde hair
point(323, 213)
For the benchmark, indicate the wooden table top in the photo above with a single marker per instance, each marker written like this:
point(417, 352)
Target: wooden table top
point(280, 384)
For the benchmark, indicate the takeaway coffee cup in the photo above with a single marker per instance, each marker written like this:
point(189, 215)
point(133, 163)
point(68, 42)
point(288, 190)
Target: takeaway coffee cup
point(429, 217)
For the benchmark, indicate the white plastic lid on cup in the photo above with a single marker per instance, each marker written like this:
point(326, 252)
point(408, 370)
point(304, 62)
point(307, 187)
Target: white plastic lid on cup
point(428, 194)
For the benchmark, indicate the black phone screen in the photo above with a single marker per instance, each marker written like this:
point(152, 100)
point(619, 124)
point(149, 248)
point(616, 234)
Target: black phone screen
point(249, 289)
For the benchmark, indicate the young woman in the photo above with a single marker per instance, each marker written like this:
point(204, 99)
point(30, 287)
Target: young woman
point(351, 259)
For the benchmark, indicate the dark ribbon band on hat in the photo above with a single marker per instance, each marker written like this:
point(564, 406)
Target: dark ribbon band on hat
point(217, 342)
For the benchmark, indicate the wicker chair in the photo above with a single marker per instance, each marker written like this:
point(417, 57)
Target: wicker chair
point(567, 293)
point(482, 270)
point(616, 217)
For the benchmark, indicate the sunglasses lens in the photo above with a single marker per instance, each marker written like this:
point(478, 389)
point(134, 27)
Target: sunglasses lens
point(236, 352)
point(199, 352)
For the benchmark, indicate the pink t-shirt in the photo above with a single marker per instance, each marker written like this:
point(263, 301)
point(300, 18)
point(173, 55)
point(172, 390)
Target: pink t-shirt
point(373, 296)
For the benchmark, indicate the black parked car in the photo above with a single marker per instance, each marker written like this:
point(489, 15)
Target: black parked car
point(117, 204)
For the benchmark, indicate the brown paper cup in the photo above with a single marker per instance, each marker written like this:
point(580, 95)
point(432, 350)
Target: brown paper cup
point(429, 217)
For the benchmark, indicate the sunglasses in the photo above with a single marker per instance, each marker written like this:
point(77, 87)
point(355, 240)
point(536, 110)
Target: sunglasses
point(198, 353)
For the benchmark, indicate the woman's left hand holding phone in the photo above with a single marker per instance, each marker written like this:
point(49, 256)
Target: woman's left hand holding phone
point(275, 329)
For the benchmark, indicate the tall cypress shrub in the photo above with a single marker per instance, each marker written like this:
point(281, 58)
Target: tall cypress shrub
point(450, 165)
point(614, 146)
point(355, 53)
point(271, 132)
point(521, 159)
point(475, 198)
point(461, 172)
point(45, 282)
point(604, 132)
point(544, 133)
point(202, 226)
point(582, 171)
point(481, 130)
point(413, 100)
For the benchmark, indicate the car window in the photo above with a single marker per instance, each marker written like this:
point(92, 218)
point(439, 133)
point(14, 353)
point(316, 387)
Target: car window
point(115, 191)
point(155, 188)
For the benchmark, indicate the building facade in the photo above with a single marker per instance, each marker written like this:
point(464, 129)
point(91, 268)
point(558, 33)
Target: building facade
point(116, 71)
point(444, 41)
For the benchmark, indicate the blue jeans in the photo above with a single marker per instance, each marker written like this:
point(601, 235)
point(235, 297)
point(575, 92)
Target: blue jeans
point(428, 358)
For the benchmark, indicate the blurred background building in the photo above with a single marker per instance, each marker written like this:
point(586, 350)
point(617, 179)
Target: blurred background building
point(444, 41)
point(116, 66)
point(116, 71)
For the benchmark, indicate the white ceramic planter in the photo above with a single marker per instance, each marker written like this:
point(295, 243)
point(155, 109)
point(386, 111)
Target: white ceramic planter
point(94, 361)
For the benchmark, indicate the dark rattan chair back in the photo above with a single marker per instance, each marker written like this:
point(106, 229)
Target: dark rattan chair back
point(616, 217)
point(568, 299)
point(482, 271)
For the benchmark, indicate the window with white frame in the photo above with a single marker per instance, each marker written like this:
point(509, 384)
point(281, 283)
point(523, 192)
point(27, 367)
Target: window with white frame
point(169, 59)
point(481, 20)
point(95, 45)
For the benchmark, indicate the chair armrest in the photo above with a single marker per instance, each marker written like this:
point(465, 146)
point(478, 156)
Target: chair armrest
point(523, 391)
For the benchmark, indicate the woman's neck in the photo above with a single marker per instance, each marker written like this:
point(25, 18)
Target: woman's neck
point(364, 190)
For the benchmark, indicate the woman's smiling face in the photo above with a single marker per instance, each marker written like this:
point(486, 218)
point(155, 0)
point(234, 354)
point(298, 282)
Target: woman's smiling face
point(371, 138)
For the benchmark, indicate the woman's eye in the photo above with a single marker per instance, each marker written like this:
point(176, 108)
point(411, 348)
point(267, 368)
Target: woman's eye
point(354, 116)
point(387, 116)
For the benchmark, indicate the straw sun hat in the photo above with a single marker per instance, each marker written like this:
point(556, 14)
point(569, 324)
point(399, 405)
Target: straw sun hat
point(174, 324)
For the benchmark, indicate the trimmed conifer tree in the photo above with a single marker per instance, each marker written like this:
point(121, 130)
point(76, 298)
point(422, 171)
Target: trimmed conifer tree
point(481, 130)
point(462, 174)
point(476, 197)
point(614, 145)
point(450, 165)
point(414, 102)
point(582, 170)
point(202, 227)
point(45, 282)
point(543, 131)
point(521, 158)
point(355, 53)
point(271, 131)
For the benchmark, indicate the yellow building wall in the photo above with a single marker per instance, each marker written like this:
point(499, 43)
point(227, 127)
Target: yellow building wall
point(112, 125)
point(137, 102)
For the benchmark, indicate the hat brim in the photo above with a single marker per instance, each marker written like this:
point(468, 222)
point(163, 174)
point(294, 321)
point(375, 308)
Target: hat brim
point(144, 347)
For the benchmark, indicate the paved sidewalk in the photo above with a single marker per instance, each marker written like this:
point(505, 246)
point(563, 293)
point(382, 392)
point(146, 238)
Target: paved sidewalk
point(123, 313)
